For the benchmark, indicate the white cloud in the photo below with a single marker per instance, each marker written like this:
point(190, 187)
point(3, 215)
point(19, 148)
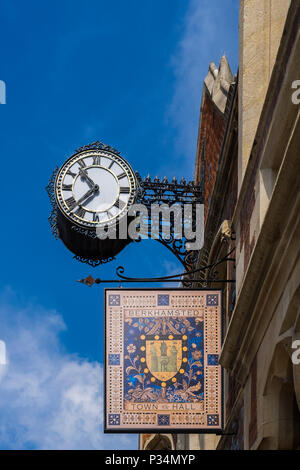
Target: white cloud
point(49, 399)
point(2, 353)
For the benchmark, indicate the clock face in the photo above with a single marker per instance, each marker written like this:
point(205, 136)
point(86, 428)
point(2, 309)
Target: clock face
point(95, 187)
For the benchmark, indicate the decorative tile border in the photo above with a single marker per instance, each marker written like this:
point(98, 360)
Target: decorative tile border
point(162, 360)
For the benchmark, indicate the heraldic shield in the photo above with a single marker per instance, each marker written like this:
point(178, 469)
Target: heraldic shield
point(166, 356)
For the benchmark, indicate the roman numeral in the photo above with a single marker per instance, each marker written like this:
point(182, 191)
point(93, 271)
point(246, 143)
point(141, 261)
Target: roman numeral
point(71, 203)
point(122, 175)
point(67, 187)
point(80, 212)
point(124, 190)
point(96, 159)
point(120, 204)
point(69, 172)
point(109, 214)
point(111, 164)
point(81, 163)
point(95, 217)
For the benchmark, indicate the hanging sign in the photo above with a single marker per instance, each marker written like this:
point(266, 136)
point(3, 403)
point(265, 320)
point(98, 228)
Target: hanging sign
point(162, 369)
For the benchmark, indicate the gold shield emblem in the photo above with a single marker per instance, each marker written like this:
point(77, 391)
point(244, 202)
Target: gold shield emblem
point(163, 357)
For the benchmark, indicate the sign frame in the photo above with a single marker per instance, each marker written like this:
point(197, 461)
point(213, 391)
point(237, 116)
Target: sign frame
point(161, 429)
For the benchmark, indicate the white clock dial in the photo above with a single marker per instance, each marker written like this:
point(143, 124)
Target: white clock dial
point(95, 187)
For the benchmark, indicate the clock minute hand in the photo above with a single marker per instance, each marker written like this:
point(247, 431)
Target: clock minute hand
point(86, 195)
point(86, 176)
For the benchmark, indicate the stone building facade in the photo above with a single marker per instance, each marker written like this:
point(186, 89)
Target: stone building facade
point(248, 163)
point(262, 383)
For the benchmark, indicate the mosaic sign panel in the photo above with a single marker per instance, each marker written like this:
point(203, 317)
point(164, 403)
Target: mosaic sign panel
point(162, 369)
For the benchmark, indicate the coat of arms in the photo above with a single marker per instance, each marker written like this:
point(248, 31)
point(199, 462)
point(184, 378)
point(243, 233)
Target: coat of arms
point(166, 357)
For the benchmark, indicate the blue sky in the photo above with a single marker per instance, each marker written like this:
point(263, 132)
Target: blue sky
point(129, 74)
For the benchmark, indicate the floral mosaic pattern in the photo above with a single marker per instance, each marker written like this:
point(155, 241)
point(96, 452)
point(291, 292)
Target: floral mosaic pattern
point(140, 383)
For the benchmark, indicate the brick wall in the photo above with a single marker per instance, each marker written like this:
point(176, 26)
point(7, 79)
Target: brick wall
point(211, 136)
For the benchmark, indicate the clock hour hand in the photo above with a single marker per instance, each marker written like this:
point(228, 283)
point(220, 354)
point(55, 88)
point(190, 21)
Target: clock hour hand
point(83, 173)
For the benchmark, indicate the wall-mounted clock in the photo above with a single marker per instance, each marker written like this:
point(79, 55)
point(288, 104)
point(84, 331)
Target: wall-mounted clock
point(95, 187)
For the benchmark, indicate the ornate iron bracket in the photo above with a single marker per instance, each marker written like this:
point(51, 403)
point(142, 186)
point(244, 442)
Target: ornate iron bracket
point(156, 191)
point(160, 192)
point(90, 281)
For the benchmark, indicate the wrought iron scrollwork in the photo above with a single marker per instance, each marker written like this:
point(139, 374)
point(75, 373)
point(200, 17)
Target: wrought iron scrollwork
point(120, 270)
point(156, 191)
point(177, 247)
point(160, 192)
point(94, 262)
point(85, 232)
point(97, 145)
point(185, 277)
point(51, 193)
